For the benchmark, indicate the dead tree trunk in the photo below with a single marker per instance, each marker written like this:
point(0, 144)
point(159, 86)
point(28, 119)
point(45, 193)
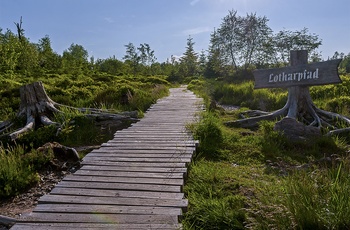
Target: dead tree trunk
point(37, 107)
point(299, 106)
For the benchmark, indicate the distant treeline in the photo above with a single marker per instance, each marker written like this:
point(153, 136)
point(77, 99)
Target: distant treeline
point(239, 45)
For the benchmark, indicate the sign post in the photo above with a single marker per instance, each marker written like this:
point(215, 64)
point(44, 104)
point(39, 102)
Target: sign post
point(320, 73)
point(297, 78)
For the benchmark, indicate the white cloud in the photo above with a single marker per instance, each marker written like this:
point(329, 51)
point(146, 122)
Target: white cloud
point(197, 30)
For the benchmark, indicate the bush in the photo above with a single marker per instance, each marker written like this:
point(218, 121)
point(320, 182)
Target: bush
point(209, 134)
point(339, 105)
point(16, 171)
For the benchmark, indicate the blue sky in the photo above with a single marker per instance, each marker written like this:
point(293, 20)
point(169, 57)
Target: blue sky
point(104, 27)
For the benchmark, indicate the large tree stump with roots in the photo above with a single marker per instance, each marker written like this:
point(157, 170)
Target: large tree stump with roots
point(298, 108)
point(37, 107)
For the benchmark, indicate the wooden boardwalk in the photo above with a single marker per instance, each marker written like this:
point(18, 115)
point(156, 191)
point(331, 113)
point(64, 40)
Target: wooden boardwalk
point(134, 181)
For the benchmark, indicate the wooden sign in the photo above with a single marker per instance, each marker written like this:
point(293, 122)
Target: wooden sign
point(318, 73)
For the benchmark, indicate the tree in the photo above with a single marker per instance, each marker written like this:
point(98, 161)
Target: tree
point(254, 34)
point(245, 42)
point(110, 65)
point(215, 66)
point(9, 51)
point(286, 40)
point(241, 41)
point(48, 59)
point(147, 57)
point(75, 59)
point(189, 60)
point(131, 57)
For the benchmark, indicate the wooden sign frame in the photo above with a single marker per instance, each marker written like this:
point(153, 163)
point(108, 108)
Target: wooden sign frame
point(318, 73)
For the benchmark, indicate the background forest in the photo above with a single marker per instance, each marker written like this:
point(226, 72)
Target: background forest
point(240, 178)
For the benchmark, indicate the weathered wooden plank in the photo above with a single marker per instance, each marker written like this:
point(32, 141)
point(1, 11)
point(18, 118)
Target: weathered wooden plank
point(133, 169)
point(107, 209)
point(120, 186)
point(142, 147)
point(130, 174)
point(152, 151)
point(170, 130)
point(115, 193)
point(136, 164)
point(126, 180)
point(138, 159)
point(149, 144)
point(154, 202)
point(100, 218)
point(140, 155)
point(94, 226)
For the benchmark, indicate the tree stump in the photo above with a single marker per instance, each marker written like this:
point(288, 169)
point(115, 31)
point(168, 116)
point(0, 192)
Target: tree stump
point(35, 106)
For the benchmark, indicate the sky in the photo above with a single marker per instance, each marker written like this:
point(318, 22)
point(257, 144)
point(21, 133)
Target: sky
point(104, 27)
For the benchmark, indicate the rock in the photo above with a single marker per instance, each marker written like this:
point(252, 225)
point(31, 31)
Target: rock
point(63, 153)
point(296, 131)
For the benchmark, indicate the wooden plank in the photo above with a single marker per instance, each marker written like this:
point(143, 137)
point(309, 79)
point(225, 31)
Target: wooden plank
point(100, 218)
point(150, 140)
point(138, 159)
point(93, 226)
point(106, 209)
point(135, 164)
point(120, 186)
point(142, 147)
point(133, 169)
point(152, 151)
point(140, 155)
point(126, 180)
point(130, 174)
point(149, 144)
point(115, 193)
point(154, 202)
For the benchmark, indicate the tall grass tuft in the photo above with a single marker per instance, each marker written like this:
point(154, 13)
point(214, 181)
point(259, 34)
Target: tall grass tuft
point(215, 202)
point(209, 134)
point(17, 172)
point(319, 198)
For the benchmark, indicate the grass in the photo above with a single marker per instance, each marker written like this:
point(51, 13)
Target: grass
point(245, 179)
point(18, 169)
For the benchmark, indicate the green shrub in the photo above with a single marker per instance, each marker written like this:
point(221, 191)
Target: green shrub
point(209, 134)
point(16, 172)
point(339, 105)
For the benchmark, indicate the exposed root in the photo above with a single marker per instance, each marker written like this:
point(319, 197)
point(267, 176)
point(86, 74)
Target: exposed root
point(5, 126)
point(252, 122)
point(29, 126)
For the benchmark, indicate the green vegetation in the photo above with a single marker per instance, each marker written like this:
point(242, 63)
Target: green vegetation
point(255, 179)
point(258, 179)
